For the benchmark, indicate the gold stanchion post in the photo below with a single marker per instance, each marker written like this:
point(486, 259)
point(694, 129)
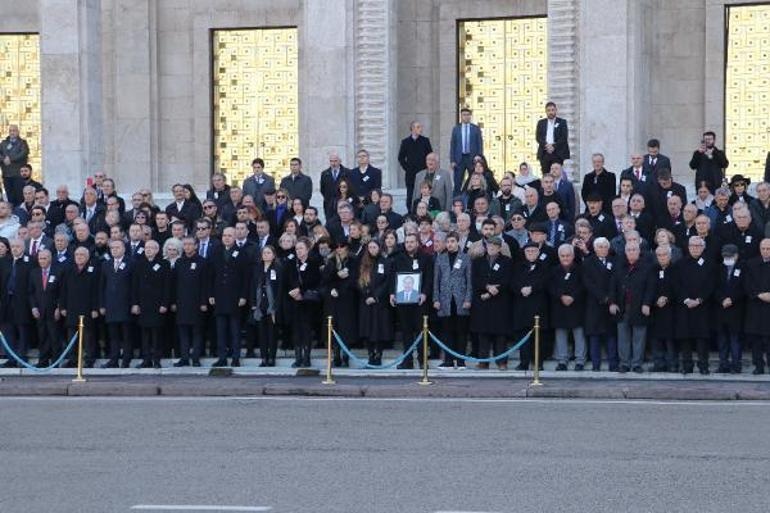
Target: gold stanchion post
point(425, 380)
point(329, 377)
point(536, 376)
point(81, 326)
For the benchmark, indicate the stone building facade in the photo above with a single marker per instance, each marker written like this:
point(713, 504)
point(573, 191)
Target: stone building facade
point(126, 84)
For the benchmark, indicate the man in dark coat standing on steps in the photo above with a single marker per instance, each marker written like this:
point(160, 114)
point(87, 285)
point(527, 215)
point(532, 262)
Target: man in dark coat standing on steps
point(414, 148)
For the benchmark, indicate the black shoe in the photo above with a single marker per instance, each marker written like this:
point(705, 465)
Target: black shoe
point(146, 364)
point(674, 369)
point(42, 364)
point(337, 362)
point(687, 369)
point(196, 362)
point(659, 368)
point(264, 363)
point(88, 364)
point(236, 362)
point(522, 367)
point(112, 364)
point(125, 364)
point(221, 362)
point(758, 370)
point(406, 364)
point(446, 365)
point(10, 364)
point(614, 368)
point(596, 368)
point(723, 369)
point(561, 367)
point(306, 362)
point(184, 362)
point(623, 369)
point(638, 369)
point(250, 354)
point(296, 364)
point(736, 370)
point(156, 364)
point(704, 371)
point(579, 367)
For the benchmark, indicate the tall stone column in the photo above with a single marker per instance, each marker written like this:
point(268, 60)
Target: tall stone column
point(326, 78)
point(563, 72)
point(71, 96)
point(614, 80)
point(375, 84)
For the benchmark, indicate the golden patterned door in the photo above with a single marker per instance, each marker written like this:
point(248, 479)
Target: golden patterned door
point(20, 91)
point(747, 89)
point(255, 81)
point(503, 68)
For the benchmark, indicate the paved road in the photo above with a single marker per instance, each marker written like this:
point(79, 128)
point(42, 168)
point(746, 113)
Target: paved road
point(106, 455)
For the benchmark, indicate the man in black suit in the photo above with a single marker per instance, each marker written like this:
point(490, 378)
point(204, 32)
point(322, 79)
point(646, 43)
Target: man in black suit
point(228, 290)
point(639, 175)
point(15, 302)
point(365, 178)
point(263, 236)
point(655, 160)
point(182, 209)
point(658, 194)
point(79, 295)
point(92, 211)
point(207, 245)
point(709, 163)
point(600, 181)
point(411, 155)
point(552, 137)
point(115, 304)
point(330, 177)
point(43, 297)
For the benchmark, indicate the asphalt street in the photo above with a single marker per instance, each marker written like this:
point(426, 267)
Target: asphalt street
point(297, 455)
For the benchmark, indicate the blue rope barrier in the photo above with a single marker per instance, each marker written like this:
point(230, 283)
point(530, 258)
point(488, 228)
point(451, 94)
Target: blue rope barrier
point(10, 352)
point(364, 363)
point(481, 360)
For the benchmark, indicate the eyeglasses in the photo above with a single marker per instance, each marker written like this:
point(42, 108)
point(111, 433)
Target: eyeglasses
point(208, 206)
point(280, 197)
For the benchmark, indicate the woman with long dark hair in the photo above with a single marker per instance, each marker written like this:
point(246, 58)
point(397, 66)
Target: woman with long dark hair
point(267, 294)
point(375, 320)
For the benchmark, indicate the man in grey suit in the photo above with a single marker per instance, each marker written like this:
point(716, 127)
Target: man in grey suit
point(37, 240)
point(256, 184)
point(452, 294)
point(440, 178)
point(465, 144)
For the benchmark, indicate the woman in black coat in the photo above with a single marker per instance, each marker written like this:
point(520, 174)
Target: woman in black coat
point(267, 295)
point(79, 295)
point(665, 353)
point(491, 303)
point(375, 315)
point(728, 310)
point(16, 313)
point(597, 272)
point(528, 286)
point(340, 297)
point(151, 300)
point(189, 294)
point(304, 280)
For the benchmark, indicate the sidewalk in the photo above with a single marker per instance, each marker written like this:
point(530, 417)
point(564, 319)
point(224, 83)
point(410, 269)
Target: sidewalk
point(443, 386)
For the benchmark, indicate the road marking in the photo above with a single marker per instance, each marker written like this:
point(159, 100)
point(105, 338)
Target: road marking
point(631, 402)
point(197, 507)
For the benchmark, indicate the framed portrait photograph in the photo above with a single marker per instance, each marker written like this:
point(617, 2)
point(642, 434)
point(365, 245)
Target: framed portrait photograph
point(408, 288)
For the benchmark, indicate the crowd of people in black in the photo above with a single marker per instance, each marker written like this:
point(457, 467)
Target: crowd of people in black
point(635, 263)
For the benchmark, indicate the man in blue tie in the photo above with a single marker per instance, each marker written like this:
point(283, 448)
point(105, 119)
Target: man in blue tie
point(330, 177)
point(465, 144)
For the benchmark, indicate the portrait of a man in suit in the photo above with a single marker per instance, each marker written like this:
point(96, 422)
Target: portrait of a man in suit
point(407, 288)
